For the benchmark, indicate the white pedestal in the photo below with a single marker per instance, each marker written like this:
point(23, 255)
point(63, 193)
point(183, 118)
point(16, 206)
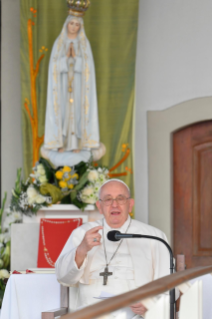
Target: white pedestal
point(24, 237)
point(64, 211)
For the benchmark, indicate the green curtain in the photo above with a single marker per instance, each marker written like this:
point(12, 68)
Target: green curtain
point(111, 27)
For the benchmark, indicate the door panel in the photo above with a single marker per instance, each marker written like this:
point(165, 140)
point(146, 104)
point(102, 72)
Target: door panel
point(192, 155)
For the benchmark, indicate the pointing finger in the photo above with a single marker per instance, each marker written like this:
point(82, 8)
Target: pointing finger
point(95, 229)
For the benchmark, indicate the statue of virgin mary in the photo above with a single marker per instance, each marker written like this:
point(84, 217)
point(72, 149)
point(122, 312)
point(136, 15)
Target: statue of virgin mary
point(71, 123)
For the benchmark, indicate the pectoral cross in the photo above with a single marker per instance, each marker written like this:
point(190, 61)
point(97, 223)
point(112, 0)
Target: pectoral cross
point(105, 274)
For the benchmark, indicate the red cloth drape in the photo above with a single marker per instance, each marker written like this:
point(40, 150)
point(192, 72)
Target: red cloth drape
point(52, 238)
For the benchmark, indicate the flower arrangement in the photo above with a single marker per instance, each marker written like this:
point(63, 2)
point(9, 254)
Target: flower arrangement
point(26, 197)
point(5, 238)
point(77, 185)
point(96, 177)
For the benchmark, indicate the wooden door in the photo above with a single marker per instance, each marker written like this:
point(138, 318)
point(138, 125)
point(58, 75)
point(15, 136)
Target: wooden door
point(192, 157)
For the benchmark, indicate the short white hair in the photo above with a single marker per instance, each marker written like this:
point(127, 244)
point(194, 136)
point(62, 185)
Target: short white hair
point(114, 180)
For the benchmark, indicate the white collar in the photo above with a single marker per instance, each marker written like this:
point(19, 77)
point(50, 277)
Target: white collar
point(122, 229)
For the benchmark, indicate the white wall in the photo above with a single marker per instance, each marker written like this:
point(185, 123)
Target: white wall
point(11, 98)
point(174, 64)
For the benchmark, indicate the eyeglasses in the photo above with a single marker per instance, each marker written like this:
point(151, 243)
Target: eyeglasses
point(120, 200)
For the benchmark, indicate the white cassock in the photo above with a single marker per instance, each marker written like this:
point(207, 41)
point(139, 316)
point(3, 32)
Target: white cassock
point(137, 262)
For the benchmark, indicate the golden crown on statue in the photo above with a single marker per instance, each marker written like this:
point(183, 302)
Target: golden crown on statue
point(78, 7)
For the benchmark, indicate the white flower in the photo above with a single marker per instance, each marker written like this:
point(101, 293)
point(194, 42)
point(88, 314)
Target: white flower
point(102, 178)
point(93, 175)
point(23, 201)
point(7, 237)
point(42, 179)
point(4, 238)
point(87, 191)
point(32, 194)
point(40, 199)
point(8, 221)
point(41, 170)
point(90, 200)
point(17, 216)
point(4, 274)
point(88, 195)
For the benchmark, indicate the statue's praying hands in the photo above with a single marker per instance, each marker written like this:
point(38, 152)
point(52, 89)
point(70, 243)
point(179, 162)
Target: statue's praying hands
point(71, 51)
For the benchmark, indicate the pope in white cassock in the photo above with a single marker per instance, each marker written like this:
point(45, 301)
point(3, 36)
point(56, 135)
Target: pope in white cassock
point(88, 255)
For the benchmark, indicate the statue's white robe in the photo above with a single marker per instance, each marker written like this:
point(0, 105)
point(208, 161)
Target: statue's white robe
point(150, 258)
point(79, 117)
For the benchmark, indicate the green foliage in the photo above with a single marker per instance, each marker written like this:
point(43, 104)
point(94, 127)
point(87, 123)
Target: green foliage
point(82, 182)
point(81, 168)
point(53, 191)
point(33, 210)
point(6, 255)
point(2, 290)
point(66, 200)
point(17, 189)
point(79, 204)
point(50, 172)
point(14, 203)
point(2, 207)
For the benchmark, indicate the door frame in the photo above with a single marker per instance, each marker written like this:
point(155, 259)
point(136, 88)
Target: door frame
point(160, 127)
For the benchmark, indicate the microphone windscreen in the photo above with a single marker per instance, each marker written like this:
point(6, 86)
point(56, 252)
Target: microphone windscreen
point(111, 235)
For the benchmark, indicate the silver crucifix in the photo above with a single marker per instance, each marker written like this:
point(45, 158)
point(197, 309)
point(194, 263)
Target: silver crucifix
point(105, 275)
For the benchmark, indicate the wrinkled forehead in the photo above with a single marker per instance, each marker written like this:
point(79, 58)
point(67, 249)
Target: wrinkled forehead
point(114, 187)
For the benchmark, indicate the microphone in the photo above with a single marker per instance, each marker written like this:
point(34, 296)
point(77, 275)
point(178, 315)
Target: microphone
point(111, 235)
point(115, 235)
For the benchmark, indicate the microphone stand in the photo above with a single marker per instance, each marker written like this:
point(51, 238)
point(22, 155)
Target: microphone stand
point(119, 236)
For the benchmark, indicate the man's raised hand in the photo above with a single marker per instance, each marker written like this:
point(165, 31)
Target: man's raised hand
point(91, 239)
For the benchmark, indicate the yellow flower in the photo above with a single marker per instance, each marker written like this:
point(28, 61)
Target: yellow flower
point(75, 176)
point(63, 184)
point(59, 175)
point(66, 169)
point(71, 186)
